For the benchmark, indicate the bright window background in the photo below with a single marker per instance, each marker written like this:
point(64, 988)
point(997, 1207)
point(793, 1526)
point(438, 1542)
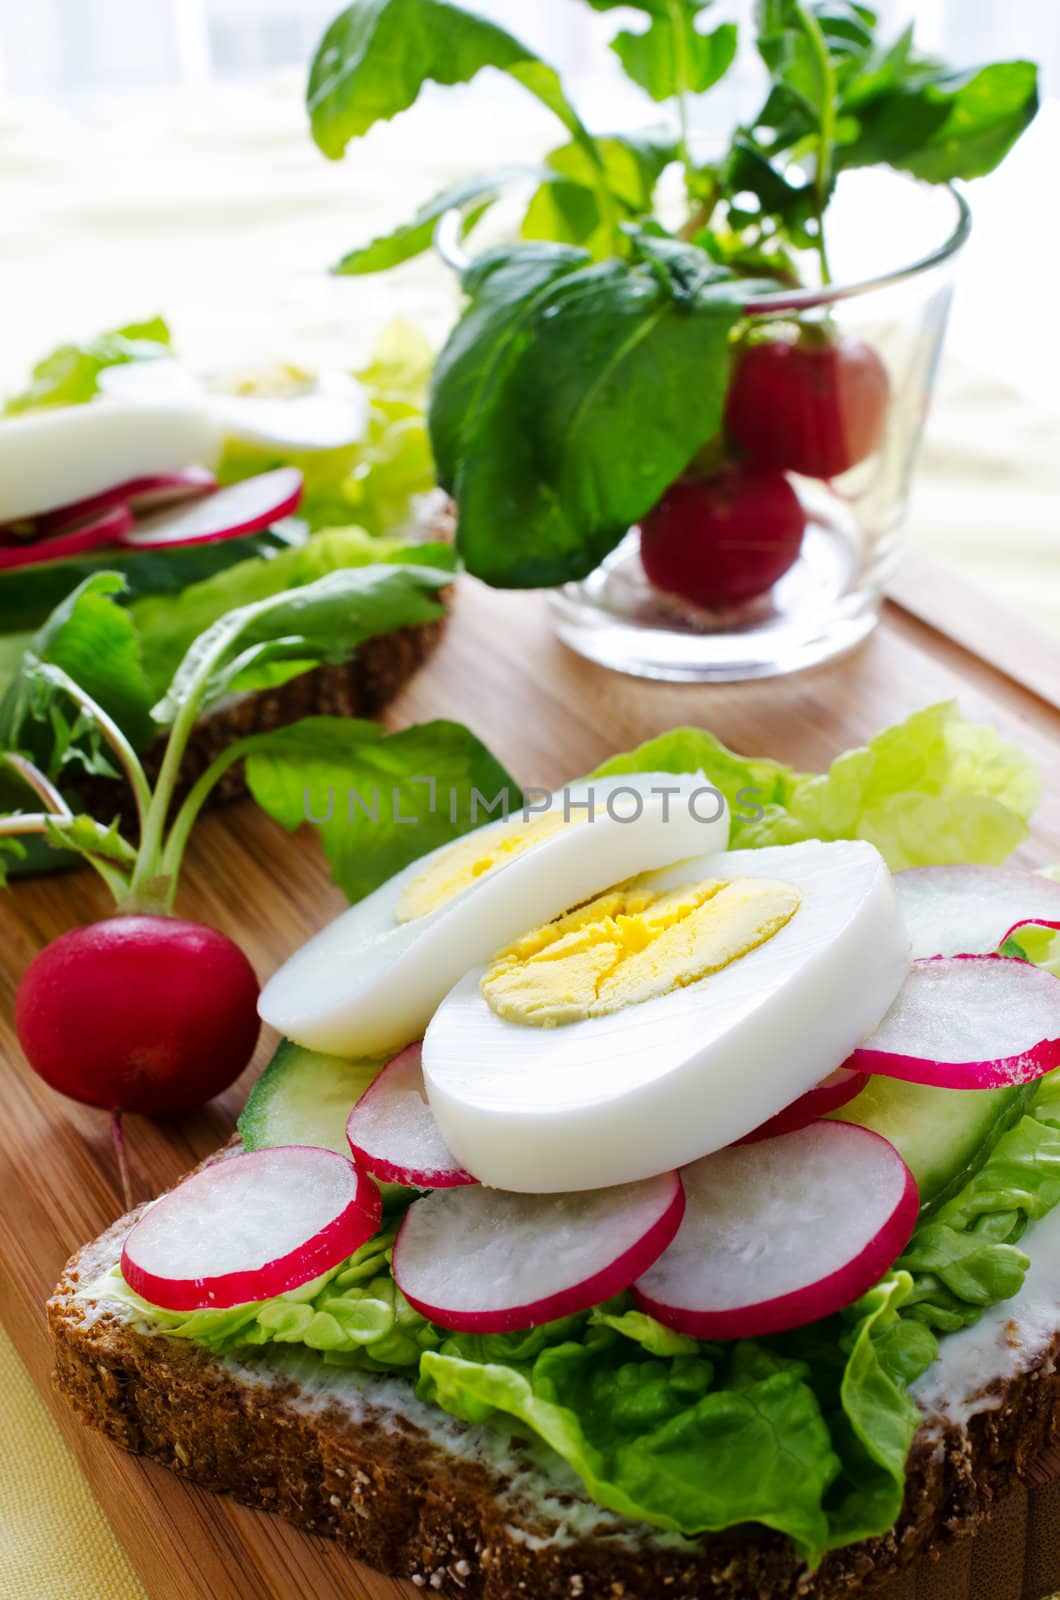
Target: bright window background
point(84, 48)
point(154, 156)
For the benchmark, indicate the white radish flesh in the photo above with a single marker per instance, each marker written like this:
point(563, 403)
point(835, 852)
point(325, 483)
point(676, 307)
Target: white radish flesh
point(969, 910)
point(249, 1227)
point(393, 1134)
point(968, 1022)
point(239, 509)
point(782, 1232)
point(830, 1094)
point(95, 534)
point(486, 1261)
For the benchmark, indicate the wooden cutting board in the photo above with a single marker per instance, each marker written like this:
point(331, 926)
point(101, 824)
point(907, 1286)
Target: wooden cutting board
point(549, 716)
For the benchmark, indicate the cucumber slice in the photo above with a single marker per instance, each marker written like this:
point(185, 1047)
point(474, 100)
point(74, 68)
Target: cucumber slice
point(303, 1097)
point(943, 1135)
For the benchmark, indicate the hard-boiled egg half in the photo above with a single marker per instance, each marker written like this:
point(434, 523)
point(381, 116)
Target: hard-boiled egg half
point(664, 1018)
point(278, 410)
point(56, 457)
point(372, 981)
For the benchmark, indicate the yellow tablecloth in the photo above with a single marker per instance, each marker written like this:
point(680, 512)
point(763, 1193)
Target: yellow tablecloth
point(55, 1543)
point(213, 207)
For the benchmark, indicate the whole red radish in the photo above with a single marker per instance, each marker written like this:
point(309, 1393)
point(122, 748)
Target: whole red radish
point(720, 540)
point(816, 408)
point(139, 1013)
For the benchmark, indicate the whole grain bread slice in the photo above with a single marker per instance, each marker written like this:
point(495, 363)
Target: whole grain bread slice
point(476, 1511)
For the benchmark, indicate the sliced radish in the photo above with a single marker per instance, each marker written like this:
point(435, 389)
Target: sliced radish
point(828, 1095)
point(393, 1134)
point(250, 1227)
point(227, 514)
point(969, 910)
point(488, 1261)
point(781, 1232)
point(968, 1022)
point(108, 528)
point(140, 495)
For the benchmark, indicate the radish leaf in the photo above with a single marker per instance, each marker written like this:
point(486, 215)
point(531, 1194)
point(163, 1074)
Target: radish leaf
point(415, 236)
point(568, 207)
point(548, 418)
point(377, 55)
point(95, 642)
point(377, 802)
point(300, 628)
point(673, 56)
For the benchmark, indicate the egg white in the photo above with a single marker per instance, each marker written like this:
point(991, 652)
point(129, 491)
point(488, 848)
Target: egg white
point(366, 985)
point(331, 415)
point(53, 458)
point(658, 1084)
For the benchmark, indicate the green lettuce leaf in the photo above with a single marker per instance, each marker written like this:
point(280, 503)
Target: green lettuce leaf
point(966, 1255)
point(374, 482)
point(811, 1441)
point(354, 1315)
point(935, 788)
point(377, 801)
point(69, 375)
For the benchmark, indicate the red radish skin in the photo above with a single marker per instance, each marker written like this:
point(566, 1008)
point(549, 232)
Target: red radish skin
point(972, 910)
point(139, 1013)
point(519, 1251)
point(723, 540)
point(228, 513)
point(768, 1187)
point(108, 528)
point(1029, 922)
point(974, 1001)
point(833, 1092)
point(217, 1200)
point(392, 1132)
point(813, 408)
point(138, 495)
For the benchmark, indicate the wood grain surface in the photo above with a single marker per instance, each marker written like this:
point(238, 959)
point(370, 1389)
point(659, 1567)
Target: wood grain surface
point(549, 716)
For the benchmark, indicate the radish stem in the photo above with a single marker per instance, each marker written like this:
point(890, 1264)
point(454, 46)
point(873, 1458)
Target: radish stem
point(42, 786)
point(194, 800)
point(117, 1134)
point(45, 822)
point(826, 136)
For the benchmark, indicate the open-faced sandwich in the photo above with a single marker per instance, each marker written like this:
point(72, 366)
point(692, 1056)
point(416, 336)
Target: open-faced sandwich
point(653, 1193)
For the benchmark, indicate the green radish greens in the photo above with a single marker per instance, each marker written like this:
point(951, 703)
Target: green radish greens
point(590, 367)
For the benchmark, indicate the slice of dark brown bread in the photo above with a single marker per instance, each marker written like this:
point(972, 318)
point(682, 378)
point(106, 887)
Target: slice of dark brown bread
point(360, 687)
point(473, 1511)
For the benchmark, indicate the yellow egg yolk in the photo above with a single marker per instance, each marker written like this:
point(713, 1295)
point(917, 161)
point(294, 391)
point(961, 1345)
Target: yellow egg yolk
point(633, 944)
point(470, 859)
